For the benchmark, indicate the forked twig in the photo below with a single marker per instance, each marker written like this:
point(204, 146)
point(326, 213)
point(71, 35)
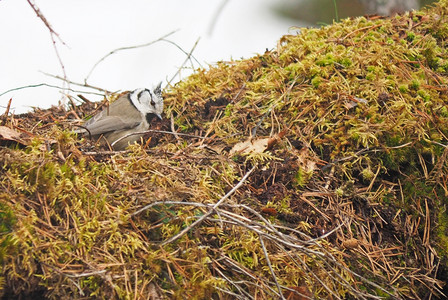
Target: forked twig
point(189, 55)
point(126, 48)
point(53, 33)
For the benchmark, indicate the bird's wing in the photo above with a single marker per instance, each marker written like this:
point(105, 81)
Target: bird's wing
point(109, 123)
point(112, 118)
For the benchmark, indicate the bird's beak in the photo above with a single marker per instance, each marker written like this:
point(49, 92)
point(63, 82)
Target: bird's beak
point(160, 116)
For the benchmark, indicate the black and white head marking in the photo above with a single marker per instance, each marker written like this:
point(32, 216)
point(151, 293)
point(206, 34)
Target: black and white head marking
point(148, 102)
point(158, 90)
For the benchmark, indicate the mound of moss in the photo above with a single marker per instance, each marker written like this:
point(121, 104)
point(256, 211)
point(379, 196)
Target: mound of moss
point(317, 169)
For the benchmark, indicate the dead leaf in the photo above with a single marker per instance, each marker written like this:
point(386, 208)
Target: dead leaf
point(8, 134)
point(350, 243)
point(257, 145)
point(306, 161)
point(354, 102)
point(250, 146)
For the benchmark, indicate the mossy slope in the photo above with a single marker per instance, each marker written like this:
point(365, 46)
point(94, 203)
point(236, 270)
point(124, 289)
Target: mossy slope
point(348, 200)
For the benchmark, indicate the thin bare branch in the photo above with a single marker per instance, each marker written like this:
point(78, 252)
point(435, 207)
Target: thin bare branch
point(176, 134)
point(126, 48)
point(268, 261)
point(189, 55)
point(80, 84)
point(44, 20)
point(197, 222)
point(48, 85)
point(216, 16)
point(183, 51)
point(53, 34)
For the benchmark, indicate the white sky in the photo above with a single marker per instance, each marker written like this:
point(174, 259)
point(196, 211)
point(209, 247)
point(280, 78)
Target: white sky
point(92, 28)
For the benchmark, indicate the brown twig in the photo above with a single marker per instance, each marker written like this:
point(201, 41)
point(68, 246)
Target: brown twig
point(8, 107)
point(125, 48)
point(81, 84)
point(49, 85)
point(172, 127)
point(268, 261)
point(197, 222)
point(157, 131)
point(189, 55)
point(53, 34)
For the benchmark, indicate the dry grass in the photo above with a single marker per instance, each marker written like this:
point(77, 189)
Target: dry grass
point(337, 190)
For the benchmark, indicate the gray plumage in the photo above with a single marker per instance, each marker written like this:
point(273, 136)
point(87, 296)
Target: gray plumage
point(128, 114)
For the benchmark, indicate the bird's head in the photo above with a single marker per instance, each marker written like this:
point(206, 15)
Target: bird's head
point(147, 101)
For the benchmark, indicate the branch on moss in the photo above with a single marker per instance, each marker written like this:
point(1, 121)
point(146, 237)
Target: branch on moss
point(212, 210)
point(268, 261)
point(266, 230)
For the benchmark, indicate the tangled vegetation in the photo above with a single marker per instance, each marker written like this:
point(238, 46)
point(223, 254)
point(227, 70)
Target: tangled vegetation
point(315, 170)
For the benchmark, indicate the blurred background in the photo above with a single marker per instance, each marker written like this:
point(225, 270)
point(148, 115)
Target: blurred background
point(90, 29)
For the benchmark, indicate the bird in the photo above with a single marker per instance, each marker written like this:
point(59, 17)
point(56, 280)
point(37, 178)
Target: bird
point(130, 113)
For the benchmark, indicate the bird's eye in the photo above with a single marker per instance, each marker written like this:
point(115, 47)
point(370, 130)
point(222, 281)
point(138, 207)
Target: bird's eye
point(153, 103)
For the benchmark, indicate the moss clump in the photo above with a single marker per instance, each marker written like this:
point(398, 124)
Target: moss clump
point(340, 191)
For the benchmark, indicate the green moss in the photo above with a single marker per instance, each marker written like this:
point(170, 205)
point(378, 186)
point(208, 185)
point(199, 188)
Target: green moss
point(316, 81)
point(356, 117)
point(444, 111)
point(424, 95)
point(329, 59)
point(415, 84)
point(7, 222)
point(403, 88)
point(410, 36)
point(442, 233)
